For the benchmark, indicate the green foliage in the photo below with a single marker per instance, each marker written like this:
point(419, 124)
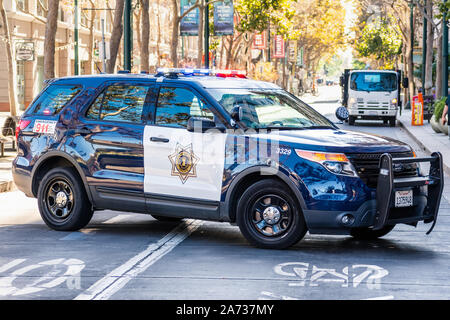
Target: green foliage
point(439, 106)
point(358, 65)
point(380, 40)
point(256, 15)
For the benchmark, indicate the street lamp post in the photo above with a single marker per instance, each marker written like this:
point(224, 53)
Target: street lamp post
point(445, 55)
point(206, 35)
point(76, 30)
point(424, 46)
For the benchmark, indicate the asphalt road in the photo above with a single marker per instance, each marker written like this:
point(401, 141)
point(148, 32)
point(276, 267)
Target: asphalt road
point(130, 256)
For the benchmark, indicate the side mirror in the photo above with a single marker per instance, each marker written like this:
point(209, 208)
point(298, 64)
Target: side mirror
point(405, 83)
point(342, 114)
point(341, 81)
point(236, 113)
point(200, 124)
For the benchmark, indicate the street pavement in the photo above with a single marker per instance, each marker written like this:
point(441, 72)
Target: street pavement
point(130, 256)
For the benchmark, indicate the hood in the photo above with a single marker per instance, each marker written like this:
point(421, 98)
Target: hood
point(342, 141)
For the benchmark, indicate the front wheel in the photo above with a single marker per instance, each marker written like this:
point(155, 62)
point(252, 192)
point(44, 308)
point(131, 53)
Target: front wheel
point(269, 216)
point(351, 121)
point(369, 234)
point(392, 121)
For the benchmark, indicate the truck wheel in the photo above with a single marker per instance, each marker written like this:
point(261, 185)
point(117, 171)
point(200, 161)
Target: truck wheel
point(351, 121)
point(166, 219)
point(269, 216)
point(392, 121)
point(369, 234)
point(62, 200)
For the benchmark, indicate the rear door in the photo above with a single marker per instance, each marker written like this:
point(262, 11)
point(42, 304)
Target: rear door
point(111, 133)
point(183, 170)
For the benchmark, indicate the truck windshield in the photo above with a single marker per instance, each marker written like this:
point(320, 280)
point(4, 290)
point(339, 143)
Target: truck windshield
point(270, 109)
point(373, 81)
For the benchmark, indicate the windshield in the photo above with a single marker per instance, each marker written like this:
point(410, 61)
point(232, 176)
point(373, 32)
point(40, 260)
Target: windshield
point(373, 81)
point(269, 109)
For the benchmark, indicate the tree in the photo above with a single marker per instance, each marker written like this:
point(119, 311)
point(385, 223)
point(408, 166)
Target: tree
point(380, 41)
point(10, 59)
point(145, 35)
point(49, 41)
point(116, 35)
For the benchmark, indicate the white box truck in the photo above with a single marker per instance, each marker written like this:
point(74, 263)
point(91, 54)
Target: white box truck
point(372, 94)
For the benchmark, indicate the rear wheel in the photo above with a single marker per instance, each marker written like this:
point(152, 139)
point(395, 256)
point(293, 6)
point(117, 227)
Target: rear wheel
point(62, 200)
point(370, 234)
point(269, 216)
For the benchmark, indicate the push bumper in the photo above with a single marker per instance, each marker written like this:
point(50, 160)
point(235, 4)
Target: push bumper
point(383, 211)
point(388, 212)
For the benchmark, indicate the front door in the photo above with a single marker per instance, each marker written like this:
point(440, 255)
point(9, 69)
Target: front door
point(182, 165)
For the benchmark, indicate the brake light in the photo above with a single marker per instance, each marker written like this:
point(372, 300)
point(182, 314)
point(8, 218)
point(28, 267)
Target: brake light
point(22, 125)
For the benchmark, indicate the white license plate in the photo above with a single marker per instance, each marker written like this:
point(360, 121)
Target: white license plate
point(373, 113)
point(404, 199)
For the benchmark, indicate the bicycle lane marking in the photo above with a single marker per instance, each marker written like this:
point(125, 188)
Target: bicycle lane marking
point(106, 287)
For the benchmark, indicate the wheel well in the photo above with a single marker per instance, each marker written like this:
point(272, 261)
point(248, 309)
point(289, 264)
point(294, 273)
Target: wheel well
point(45, 166)
point(243, 185)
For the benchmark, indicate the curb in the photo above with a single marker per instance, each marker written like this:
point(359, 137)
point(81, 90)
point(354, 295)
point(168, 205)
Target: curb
point(424, 147)
point(6, 186)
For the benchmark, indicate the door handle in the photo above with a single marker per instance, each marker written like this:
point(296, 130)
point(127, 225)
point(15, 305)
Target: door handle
point(157, 139)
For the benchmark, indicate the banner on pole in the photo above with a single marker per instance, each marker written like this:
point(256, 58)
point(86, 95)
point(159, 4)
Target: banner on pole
point(223, 18)
point(259, 41)
point(189, 24)
point(278, 51)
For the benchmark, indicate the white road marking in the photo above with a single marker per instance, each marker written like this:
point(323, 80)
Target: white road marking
point(78, 235)
point(381, 298)
point(269, 295)
point(106, 287)
point(116, 219)
point(11, 264)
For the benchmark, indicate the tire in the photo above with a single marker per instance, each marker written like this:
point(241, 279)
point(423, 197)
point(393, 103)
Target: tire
point(392, 121)
point(369, 234)
point(283, 215)
point(351, 121)
point(166, 219)
point(385, 121)
point(74, 210)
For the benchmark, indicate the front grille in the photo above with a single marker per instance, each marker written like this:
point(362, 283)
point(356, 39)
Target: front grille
point(367, 166)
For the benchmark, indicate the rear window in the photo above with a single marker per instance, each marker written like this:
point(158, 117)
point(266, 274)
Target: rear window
point(54, 98)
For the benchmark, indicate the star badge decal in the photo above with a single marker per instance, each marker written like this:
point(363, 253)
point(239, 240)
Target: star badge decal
point(184, 162)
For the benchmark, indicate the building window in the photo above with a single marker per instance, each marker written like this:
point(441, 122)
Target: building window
point(41, 8)
point(22, 5)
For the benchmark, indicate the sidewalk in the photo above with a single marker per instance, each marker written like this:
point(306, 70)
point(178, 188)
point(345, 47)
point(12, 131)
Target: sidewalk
point(426, 138)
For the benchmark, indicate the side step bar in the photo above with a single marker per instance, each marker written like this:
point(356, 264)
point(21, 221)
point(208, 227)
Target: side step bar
point(387, 185)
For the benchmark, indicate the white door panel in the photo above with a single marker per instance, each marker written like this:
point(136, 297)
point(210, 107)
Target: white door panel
point(188, 165)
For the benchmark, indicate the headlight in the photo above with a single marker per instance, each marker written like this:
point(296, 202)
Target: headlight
point(352, 100)
point(394, 102)
point(336, 163)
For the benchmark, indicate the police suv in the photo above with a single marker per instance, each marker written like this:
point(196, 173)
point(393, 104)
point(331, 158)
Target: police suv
point(215, 146)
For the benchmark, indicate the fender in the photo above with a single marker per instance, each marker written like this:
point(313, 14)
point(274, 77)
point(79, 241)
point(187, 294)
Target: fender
point(58, 153)
point(226, 212)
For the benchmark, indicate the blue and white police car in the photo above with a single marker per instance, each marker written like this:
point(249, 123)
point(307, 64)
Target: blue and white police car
point(216, 146)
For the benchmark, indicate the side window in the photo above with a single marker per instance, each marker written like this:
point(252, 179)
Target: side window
point(54, 98)
point(119, 103)
point(176, 105)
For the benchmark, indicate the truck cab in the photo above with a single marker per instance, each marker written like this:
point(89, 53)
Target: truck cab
point(371, 95)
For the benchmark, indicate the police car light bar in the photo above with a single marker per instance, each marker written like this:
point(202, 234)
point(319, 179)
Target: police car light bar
point(201, 72)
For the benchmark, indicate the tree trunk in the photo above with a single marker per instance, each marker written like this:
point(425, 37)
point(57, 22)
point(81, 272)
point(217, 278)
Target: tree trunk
point(49, 42)
point(9, 57)
point(174, 42)
point(91, 38)
point(145, 38)
point(116, 35)
point(430, 51)
point(158, 41)
point(439, 67)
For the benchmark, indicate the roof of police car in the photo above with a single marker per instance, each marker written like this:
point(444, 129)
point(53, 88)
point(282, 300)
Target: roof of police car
point(208, 82)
